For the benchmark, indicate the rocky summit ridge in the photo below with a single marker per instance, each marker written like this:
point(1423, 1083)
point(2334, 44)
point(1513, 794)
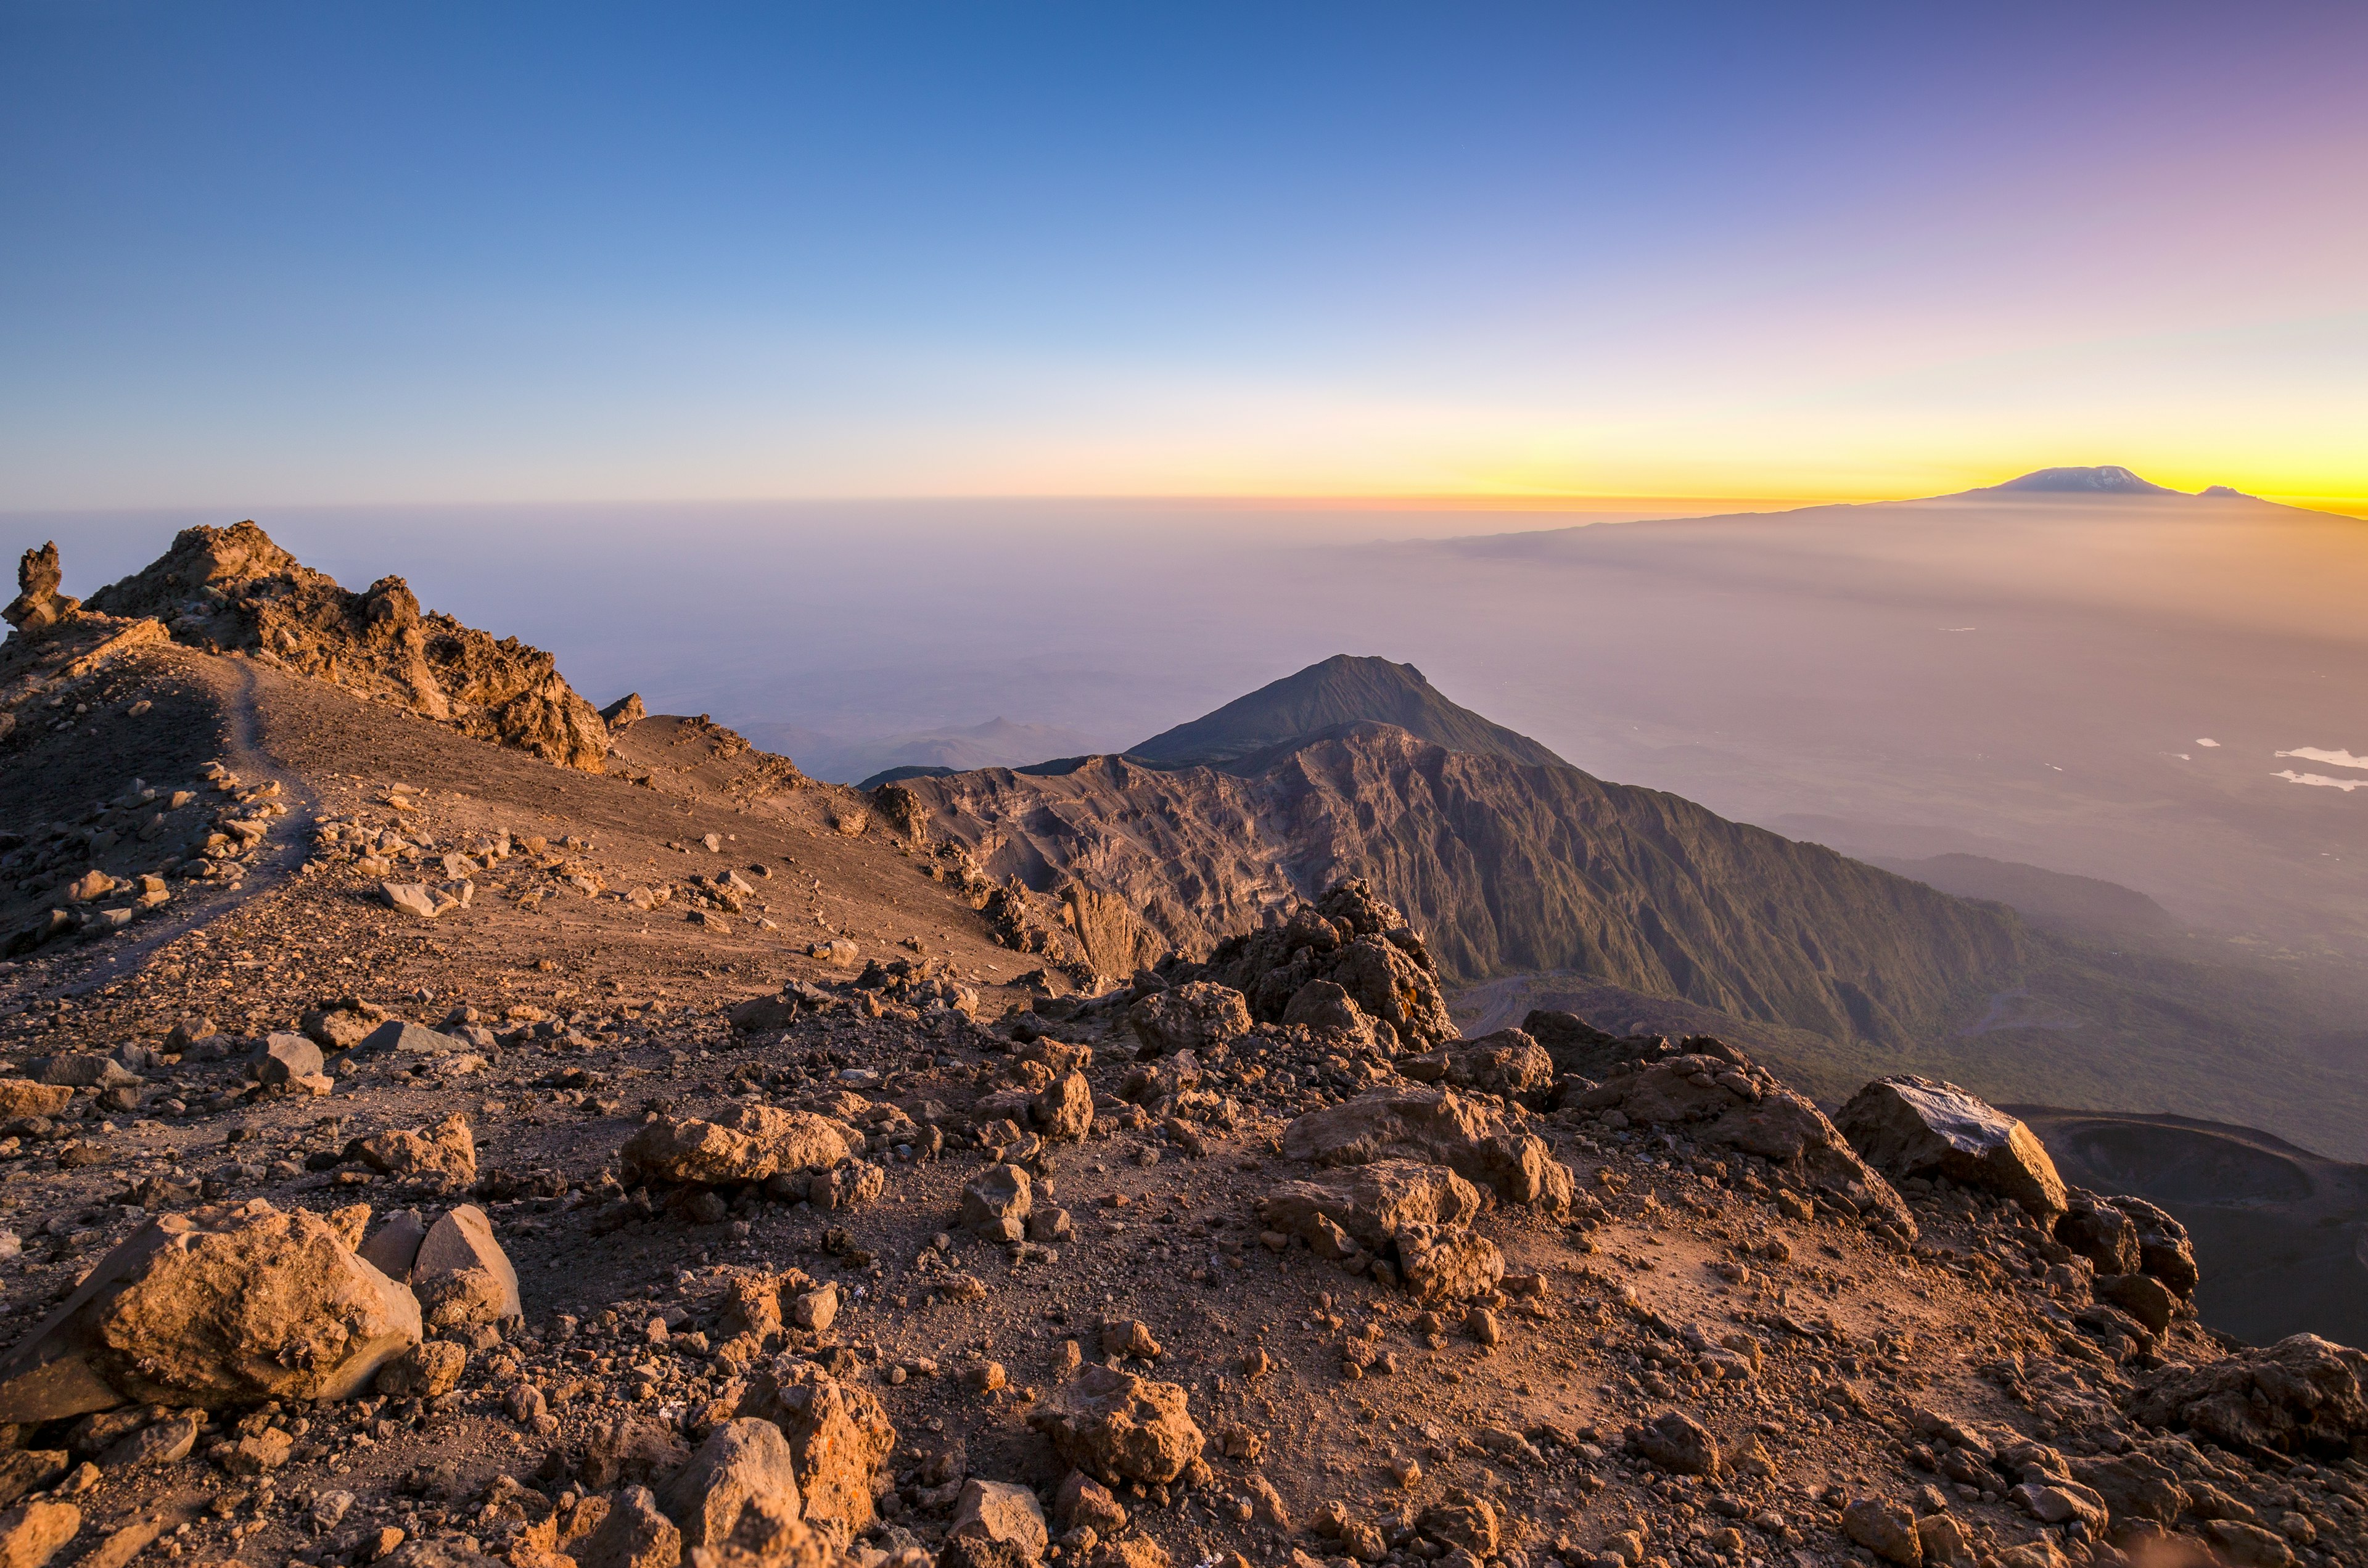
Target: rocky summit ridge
point(448, 1159)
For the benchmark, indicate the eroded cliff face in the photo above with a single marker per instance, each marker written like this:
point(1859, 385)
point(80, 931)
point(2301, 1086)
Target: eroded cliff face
point(1504, 867)
point(226, 590)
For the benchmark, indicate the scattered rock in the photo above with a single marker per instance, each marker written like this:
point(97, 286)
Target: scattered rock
point(746, 1143)
point(423, 1372)
point(1885, 1528)
point(1675, 1442)
point(32, 1535)
point(1008, 1515)
point(461, 1275)
point(1441, 1127)
point(1116, 1427)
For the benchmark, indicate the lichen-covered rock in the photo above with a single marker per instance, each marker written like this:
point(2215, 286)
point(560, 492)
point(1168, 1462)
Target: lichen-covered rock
point(1909, 1126)
point(215, 1307)
point(233, 590)
point(1192, 1017)
point(746, 1143)
point(838, 1435)
point(2302, 1395)
point(1439, 1126)
point(1116, 1427)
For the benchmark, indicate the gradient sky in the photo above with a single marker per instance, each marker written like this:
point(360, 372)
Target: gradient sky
point(260, 254)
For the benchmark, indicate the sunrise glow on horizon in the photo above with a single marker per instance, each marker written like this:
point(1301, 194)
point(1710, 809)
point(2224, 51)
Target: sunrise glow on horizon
point(1569, 259)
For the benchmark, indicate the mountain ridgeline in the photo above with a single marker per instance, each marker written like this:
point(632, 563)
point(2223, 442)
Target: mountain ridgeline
point(1508, 860)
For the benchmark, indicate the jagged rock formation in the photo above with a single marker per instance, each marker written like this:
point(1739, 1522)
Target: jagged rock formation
point(233, 589)
point(38, 603)
point(1502, 866)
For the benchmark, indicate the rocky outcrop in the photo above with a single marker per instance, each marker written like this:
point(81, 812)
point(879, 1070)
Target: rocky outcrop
point(233, 589)
point(1720, 1097)
point(838, 1437)
point(1346, 947)
point(2302, 1395)
point(216, 1308)
point(1915, 1127)
point(1191, 1017)
point(1438, 1126)
point(37, 605)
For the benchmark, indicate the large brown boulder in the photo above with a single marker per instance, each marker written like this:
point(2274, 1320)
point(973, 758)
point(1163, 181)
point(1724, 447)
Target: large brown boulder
point(1508, 1062)
point(746, 1143)
point(839, 1436)
point(215, 1308)
point(1364, 952)
point(1116, 1427)
point(1193, 1017)
point(1908, 1125)
point(2302, 1395)
point(1439, 1126)
point(1373, 1202)
point(445, 1152)
point(743, 1464)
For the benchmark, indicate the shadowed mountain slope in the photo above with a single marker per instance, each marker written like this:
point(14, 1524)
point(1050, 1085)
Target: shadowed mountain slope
point(1342, 689)
point(1506, 867)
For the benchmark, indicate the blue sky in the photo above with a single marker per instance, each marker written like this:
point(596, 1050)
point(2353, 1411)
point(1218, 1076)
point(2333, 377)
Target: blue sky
point(264, 255)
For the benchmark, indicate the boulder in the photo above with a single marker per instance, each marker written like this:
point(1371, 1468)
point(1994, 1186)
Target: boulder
point(342, 1025)
point(1508, 1062)
point(1723, 1099)
point(1193, 1017)
point(2099, 1230)
point(2164, 1251)
point(2145, 1299)
point(30, 1470)
point(1116, 1427)
point(746, 1143)
point(396, 1246)
point(634, 1533)
point(32, 1535)
point(763, 1015)
point(23, 1097)
point(446, 1151)
point(1448, 1263)
point(1324, 1005)
point(1885, 1528)
point(839, 1436)
point(2302, 1395)
point(1082, 1500)
point(423, 1372)
point(397, 1037)
point(165, 1442)
point(1373, 1202)
point(461, 1275)
point(282, 1058)
point(1064, 1113)
point(995, 1200)
point(1462, 1521)
point(1439, 1126)
point(81, 1070)
point(2135, 1488)
point(1908, 1125)
point(1678, 1442)
point(214, 1309)
point(744, 1464)
point(1354, 942)
point(1003, 1513)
